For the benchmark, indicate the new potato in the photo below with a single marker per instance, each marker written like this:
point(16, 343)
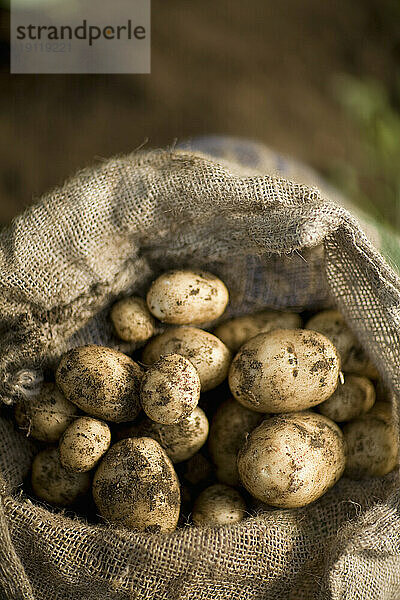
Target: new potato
point(170, 389)
point(372, 441)
point(291, 460)
point(332, 325)
point(359, 363)
point(132, 320)
point(180, 440)
point(187, 297)
point(284, 370)
point(102, 382)
point(135, 486)
point(228, 431)
point(353, 398)
point(83, 444)
point(218, 505)
point(46, 416)
point(54, 484)
point(205, 351)
point(236, 332)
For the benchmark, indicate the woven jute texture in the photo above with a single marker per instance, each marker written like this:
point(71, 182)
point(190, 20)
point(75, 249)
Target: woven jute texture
point(276, 243)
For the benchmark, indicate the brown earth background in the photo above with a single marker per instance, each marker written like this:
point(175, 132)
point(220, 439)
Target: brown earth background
point(262, 69)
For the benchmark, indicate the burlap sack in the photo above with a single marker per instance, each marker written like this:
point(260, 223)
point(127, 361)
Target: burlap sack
point(276, 243)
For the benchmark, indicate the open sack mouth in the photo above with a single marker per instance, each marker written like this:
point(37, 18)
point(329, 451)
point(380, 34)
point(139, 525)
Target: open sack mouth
point(277, 246)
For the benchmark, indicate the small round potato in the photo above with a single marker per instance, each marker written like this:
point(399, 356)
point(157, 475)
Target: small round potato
point(333, 326)
point(236, 332)
point(54, 484)
point(83, 444)
point(187, 297)
point(228, 431)
point(358, 363)
point(180, 440)
point(104, 383)
point(170, 389)
point(372, 441)
point(132, 320)
point(136, 486)
point(353, 398)
point(218, 505)
point(46, 416)
point(205, 351)
point(291, 460)
point(285, 370)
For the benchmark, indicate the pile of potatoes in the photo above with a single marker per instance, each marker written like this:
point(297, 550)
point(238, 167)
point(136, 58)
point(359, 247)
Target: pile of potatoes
point(202, 426)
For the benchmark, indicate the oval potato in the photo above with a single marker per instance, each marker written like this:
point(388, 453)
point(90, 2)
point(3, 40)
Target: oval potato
point(205, 351)
point(170, 389)
point(102, 382)
point(291, 460)
point(229, 428)
point(236, 332)
point(54, 484)
point(132, 320)
point(373, 445)
point(180, 440)
point(284, 370)
point(83, 444)
point(136, 486)
point(46, 416)
point(353, 398)
point(186, 297)
point(332, 325)
point(218, 505)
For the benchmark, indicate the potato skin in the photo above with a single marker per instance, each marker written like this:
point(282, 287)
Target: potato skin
point(236, 332)
point(180, 440)
point(83, 444)
point(170, 389)
point(102, 382)
point(285, 370)
point(332, 325)
point(185, 297)
point(205, 351)
point(291, 460)
point(359, 363)
point(54, 484)
point(46, 416)
point(132, 320)
point(372, 441)
point(228, 431)
point(352, 399)
point(135, 486)
point(218, 505)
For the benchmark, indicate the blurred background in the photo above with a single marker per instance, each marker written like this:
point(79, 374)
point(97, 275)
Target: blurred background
point(319, 81)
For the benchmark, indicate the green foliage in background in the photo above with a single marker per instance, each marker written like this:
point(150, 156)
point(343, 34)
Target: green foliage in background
point(375, 184)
